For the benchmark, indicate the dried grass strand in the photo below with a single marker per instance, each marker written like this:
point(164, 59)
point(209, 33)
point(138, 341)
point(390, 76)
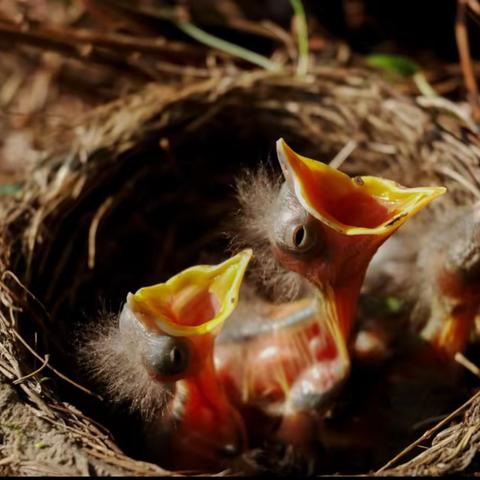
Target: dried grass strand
point(428, 434)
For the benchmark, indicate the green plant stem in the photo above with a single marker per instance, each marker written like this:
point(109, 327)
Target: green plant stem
point(302, 36)
point(227, 47)
point(423, 86)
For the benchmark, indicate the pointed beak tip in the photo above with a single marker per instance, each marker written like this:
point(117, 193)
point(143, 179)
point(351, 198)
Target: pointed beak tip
point(281, 153)
point(283, 148)
point(130, 299)
point(135, 299)
point(430, 194)
point(239, 264)
point(241, 261)
point(287, 159)
point(246, 255)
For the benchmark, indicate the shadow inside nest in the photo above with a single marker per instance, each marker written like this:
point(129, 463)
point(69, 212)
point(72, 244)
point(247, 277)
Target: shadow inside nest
point(161, 207)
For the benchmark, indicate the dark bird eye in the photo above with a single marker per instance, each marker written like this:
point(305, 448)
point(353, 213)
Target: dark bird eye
point(167, 356)
point(300, 238)
point(294, 230)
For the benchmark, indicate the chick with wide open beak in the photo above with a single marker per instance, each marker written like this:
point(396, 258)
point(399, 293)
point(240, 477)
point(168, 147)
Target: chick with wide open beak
point(363, 205)
point(194, 302)
point(182, 318)
point(352, 217)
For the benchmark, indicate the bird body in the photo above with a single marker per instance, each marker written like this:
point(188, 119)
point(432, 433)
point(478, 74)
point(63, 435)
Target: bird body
point(279, 379)
point(325, 226)
point(292, 366)
point(164, 340)
point(449, 269)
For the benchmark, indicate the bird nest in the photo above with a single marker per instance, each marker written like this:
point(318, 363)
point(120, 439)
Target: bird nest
point(142, 188)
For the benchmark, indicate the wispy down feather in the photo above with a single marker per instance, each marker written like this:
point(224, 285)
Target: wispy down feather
point(257, 192)
point(112, 358)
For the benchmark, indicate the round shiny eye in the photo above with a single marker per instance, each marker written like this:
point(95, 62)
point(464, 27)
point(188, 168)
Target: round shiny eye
point(300, 238)
point(167, 356)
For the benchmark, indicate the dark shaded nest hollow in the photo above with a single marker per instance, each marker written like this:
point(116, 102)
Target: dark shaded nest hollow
point(143, 188)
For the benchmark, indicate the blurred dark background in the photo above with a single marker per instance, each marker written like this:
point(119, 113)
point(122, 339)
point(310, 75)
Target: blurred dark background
point(406, 26)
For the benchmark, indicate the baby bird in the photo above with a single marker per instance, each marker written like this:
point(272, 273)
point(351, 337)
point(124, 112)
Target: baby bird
point(437, 271)
point(448, 266)
point(162, 344)
point(325, 227)
point(282, 373)
point(328, 226)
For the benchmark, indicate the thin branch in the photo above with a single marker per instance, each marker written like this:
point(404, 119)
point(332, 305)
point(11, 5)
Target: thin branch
point(92, 232)
point(54, 370)
point(474, 5)
point(343, 154)
point(465, 362)
point(89, 38)
point(463, 46)
point(13, 35)
point(32, 374)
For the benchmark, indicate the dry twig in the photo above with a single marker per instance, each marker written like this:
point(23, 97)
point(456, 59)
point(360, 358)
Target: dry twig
point(461, 34)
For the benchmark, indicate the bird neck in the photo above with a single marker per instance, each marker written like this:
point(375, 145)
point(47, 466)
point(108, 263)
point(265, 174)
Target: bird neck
point(203, 390)
point(346, 300)
point(207, 432)
point(205, 412)
point(352, 255)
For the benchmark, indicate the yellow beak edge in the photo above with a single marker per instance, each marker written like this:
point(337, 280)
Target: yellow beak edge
point(363, 205)
point(173, 307)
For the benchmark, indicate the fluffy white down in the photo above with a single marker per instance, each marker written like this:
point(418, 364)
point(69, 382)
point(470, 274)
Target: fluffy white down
point(111, 352)
point(257, 193)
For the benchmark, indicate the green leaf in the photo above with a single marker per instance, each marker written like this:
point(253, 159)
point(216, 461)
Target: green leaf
point(393, 63)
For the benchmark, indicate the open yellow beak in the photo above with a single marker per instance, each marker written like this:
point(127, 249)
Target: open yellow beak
point(194, 302)
point(364, 205)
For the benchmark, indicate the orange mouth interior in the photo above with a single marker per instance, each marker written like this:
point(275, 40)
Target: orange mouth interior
point(196, 301)
point(337, 200)
point(196, 309)
point(190, 307)
point(364, 205)
point(356, 208)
